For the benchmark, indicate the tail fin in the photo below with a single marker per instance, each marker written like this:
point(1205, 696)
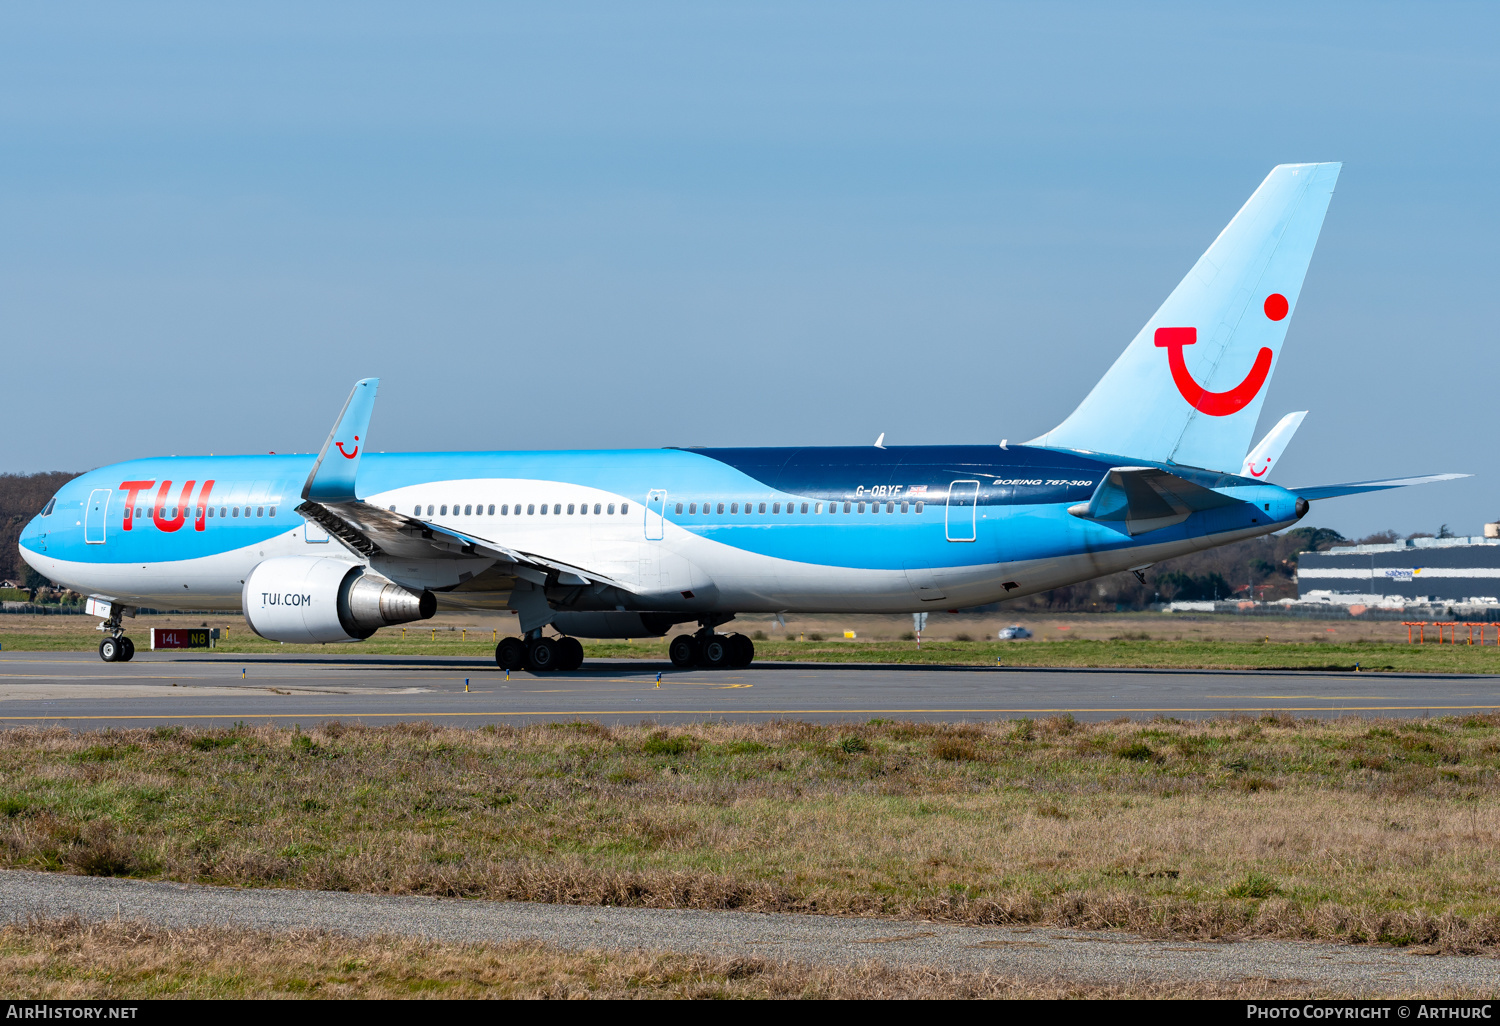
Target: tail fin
point(1222, 327)
point(1259, 460)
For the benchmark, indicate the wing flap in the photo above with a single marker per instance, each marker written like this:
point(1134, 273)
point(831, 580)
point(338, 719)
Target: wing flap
point(370, 531)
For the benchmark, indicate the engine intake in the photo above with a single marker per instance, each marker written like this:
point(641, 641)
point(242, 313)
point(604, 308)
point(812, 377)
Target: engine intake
point(316, 600)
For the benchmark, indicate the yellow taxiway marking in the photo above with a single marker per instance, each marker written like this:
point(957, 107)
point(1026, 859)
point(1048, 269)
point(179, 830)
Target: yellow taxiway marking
point(719, 712)
point(1317, 698)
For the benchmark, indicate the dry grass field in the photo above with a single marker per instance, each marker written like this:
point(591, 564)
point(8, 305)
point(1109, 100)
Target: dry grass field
point(67, 959)
point(1348, 830)
point(1080, 639)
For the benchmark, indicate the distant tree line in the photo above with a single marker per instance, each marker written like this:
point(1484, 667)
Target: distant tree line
point(22, 497)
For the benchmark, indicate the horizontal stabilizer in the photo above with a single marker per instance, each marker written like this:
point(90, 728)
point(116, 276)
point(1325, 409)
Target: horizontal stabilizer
point(332, 476)
point(1147, 499)
point(1333, 491)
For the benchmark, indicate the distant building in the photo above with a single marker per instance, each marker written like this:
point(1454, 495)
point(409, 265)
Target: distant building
point(1414, 572)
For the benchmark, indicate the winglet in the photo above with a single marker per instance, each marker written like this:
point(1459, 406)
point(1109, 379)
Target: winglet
point(332, 480)
point(1258, 462)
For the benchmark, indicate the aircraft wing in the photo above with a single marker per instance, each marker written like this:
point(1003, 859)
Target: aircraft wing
point(1332, 491)
point(1147, 499)
point(370, 531)
point(330, 499)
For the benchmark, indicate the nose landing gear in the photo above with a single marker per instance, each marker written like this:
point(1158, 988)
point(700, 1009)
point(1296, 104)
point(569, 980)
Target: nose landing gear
point(115, 647)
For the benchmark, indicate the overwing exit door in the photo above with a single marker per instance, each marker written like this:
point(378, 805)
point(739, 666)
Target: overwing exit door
point(656, 507)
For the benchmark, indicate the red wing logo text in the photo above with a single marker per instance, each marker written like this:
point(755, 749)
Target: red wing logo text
point(349, 455)
point(1219, 404)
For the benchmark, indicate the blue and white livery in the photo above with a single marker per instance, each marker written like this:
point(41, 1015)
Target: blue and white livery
point(1156, 462)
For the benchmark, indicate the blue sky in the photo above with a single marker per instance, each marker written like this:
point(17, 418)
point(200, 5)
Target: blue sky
point(578, 225)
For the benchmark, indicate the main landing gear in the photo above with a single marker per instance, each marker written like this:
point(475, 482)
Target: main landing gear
point(710, 650)
point(539, 654)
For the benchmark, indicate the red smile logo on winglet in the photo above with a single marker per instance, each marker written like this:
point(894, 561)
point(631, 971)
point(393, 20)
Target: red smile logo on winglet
point(348, 455)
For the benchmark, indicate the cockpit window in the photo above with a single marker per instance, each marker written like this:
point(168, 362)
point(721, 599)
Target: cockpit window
point(47, 509)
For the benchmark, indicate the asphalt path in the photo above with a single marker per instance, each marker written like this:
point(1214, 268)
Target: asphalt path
point(77, 690)
point(1040, 953)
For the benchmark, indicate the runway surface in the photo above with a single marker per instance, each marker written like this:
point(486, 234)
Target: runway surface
point(1042, 953)
point(77, 690)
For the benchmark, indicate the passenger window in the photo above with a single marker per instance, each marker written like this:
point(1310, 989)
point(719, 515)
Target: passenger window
point(919, 506)
point(596, 509)
point(210, 512)
point(848, 506)
point(890, 507)
point(762, 508)
point(861, 507)
point(429, 510)
point(804, 507)
point(611, 509)
point(259, 511)
point(624, 508)
point(775, 507)
point(570, 508)
point(468, 510)
point(817, 507)
point(235, 512)
point(273, 510)
point(222, 512)
point(679, 509)
point(557, 508)
point(492, 509)
point(443, 510)
point(721, 507)
point(906, 507)
point(530, 509)
point(504, 510)
point(692, 507)
point(734, 507)
point(544, 509)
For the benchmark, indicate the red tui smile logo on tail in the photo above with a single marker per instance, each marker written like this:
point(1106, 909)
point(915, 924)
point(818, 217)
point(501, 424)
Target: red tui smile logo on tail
point(349, 455)
point(1219, 404)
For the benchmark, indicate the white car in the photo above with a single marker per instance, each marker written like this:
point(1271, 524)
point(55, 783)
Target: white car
point(1015, 632)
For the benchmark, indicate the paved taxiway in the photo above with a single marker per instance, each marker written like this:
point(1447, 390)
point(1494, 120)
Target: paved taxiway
point(1043, 953)
point(77, 690)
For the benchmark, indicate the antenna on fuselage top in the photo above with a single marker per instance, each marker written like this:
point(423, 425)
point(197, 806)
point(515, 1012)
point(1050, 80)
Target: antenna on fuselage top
point(880, 442)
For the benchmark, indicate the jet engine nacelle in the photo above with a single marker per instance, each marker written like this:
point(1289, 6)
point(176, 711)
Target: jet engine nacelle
point(316, 600)
point(618, 624)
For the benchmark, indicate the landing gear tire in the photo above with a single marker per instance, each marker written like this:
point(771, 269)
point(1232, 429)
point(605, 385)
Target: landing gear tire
point(683, 650)
point(741, 651)
point(569, 653)
point(510, 654)
point(128, 649)
point(716, 652)
point(542, 655)
point(110, 650)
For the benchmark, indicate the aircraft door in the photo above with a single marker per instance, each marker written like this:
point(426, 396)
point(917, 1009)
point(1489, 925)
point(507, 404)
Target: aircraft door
point(656, 508)
point(93, 516)
point(963, 501)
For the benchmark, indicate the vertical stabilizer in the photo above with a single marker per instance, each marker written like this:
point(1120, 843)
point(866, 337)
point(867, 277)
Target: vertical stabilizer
point(1189, 388)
